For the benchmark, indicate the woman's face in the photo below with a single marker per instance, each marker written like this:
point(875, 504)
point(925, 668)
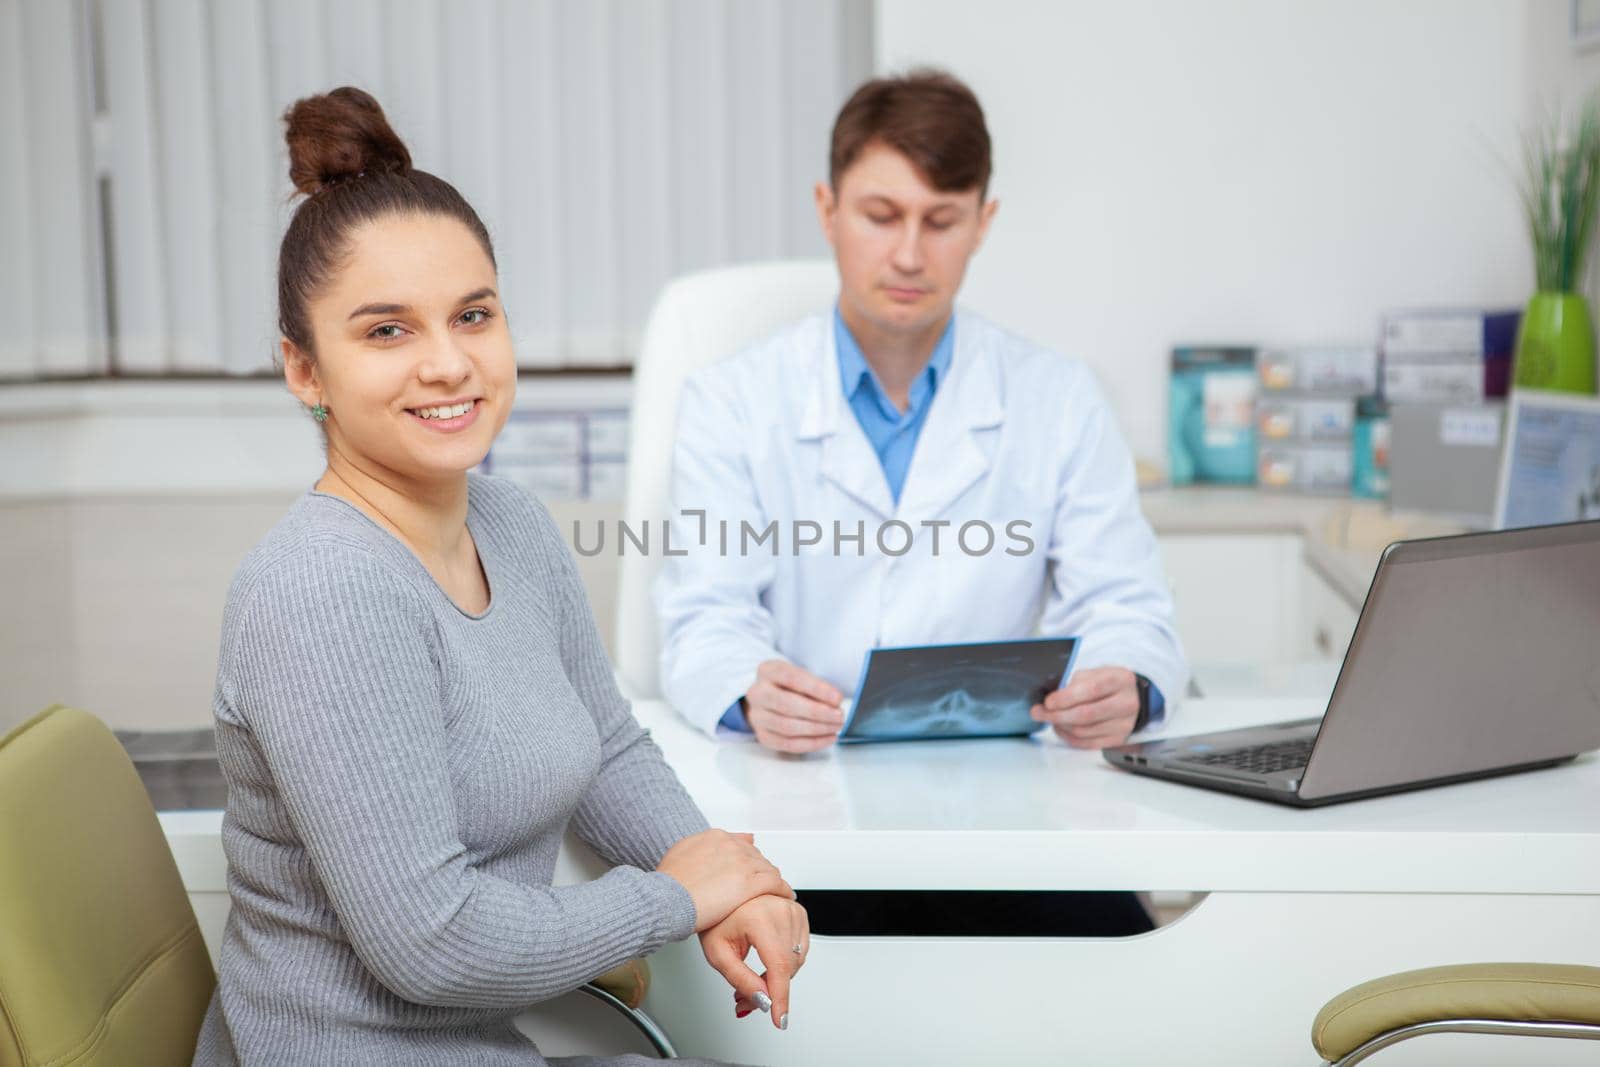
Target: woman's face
point(414, 360)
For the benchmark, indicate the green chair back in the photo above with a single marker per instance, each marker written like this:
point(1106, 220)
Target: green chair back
point(101, 959)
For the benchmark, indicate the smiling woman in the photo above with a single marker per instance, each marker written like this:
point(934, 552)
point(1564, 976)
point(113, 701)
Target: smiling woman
point(413, 704)
point(410, 380)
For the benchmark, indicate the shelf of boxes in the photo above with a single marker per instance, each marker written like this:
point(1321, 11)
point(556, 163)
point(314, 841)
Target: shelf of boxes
point(567, 443)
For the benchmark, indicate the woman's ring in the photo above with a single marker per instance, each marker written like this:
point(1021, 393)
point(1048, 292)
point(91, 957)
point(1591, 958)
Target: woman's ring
point(798, 951)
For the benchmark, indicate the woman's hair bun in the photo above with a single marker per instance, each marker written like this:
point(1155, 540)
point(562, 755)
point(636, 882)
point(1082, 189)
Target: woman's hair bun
point(339, 135)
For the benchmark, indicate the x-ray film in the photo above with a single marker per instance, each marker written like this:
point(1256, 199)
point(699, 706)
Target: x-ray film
point(948, 691)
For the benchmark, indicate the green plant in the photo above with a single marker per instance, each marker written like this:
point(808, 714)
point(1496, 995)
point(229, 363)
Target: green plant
point(1560, 197)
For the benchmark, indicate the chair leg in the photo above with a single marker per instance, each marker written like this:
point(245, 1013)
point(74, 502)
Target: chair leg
point(641, 1021)
point(1582, 1031)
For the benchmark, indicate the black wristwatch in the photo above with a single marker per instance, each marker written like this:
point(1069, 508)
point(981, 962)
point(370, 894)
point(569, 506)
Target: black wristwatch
point(1142, 684)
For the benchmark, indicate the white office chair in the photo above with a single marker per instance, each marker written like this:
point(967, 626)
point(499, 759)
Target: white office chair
point(698, 319)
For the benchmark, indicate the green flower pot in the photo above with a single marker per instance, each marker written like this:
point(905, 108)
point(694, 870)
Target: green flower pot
point(1555, 344)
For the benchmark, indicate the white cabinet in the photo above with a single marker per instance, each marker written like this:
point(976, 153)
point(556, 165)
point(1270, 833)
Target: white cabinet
point(1251, 598)
point(1237, 595)
point(1330, 619)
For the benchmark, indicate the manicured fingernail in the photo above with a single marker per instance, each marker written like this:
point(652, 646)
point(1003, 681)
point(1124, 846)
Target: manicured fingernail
point(763, 1001)
point(739, 1013)
point(783, 1021)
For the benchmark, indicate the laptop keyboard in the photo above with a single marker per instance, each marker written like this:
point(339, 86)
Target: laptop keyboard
point(1271, 758)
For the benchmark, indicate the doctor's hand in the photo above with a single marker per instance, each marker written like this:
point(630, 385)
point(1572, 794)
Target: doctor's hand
point(1095, 709)
point(792, 710)
point(777, 928)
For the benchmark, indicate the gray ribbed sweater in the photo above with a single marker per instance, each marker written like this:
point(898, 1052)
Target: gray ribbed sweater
point(400, 774)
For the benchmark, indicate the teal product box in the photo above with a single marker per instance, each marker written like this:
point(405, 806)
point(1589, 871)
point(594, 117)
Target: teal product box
point(1211, 424)
point(1369, 464)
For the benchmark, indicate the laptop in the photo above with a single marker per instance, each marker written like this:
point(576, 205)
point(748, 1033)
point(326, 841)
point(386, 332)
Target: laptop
point(1474, 655)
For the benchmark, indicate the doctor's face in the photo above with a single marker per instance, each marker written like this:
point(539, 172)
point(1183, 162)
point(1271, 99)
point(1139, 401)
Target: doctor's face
point(902, 246)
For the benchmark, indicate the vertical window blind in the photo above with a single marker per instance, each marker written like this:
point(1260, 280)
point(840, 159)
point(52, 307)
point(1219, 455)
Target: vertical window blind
point(608, 144)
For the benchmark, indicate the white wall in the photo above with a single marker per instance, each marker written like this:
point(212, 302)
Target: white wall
point(1559, 72)
point(1236, 169)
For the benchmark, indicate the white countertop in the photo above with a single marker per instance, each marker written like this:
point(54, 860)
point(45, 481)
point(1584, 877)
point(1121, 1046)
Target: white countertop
point(1343, 537)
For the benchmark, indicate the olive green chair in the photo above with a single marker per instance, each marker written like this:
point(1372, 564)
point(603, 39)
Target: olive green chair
point(1531, 999)
point(101, 960)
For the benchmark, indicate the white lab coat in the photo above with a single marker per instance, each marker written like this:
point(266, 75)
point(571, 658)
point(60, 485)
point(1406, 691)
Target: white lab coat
point(1014, 433)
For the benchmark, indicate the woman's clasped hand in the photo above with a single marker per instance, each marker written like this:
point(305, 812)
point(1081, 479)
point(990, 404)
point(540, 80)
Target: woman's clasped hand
point(741, 902)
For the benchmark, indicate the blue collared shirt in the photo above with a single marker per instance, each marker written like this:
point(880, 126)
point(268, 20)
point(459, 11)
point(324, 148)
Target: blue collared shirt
point(893, 434)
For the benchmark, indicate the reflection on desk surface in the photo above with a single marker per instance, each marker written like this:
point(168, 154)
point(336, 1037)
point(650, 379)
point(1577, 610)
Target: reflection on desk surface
point(1042, 785)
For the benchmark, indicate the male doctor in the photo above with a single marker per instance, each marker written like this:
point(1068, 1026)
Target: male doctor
point(900, 472)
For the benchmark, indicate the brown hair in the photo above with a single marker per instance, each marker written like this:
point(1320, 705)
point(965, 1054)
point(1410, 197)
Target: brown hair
point(352, 168)
point(928, 116)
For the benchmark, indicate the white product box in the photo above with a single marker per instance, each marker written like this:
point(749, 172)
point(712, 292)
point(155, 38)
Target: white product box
point(1304, 468)
point(1351, 371)
point(1444, 380)
point(1283, 418)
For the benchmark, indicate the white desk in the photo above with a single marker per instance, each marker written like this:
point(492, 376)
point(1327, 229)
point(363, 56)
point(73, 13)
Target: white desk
point(1302, 904)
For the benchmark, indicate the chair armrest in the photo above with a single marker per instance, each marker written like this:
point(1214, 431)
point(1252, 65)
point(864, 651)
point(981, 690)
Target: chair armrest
point(1508, 992)
point(623, 988)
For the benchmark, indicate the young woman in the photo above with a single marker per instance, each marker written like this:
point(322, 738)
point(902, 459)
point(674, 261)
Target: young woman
point(413, 704)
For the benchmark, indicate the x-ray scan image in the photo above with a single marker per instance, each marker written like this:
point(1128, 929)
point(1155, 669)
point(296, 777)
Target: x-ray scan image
point(946, 691)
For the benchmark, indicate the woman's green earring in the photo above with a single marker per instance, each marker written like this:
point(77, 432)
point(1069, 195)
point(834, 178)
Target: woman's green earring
point(319, 413)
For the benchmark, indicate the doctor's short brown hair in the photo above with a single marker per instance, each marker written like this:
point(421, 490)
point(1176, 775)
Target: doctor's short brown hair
point(928, 116)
